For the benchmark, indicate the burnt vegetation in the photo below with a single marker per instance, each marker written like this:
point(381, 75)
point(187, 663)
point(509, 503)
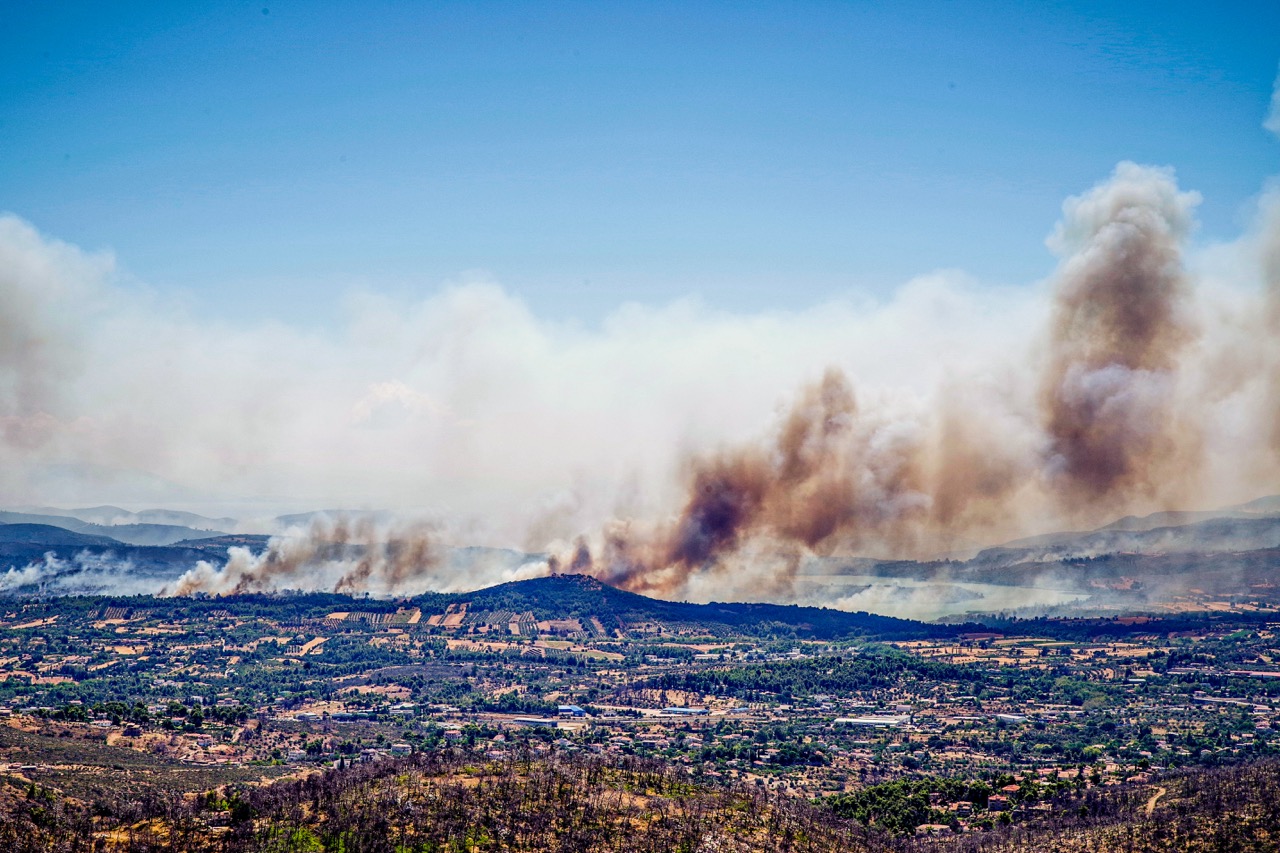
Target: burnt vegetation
point(454, 800)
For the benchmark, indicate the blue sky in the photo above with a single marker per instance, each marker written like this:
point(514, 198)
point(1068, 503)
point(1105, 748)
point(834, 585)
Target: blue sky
point(263, 159)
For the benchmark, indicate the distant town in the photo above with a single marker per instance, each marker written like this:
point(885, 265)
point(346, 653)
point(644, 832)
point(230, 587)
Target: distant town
point(257, 687)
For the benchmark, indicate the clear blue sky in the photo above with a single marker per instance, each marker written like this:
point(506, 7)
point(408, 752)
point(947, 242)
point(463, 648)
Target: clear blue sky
point(266, 157)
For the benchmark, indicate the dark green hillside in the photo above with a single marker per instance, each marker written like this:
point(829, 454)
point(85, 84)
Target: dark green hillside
point(65, 522)
point(284, 607)
point(132, 533)
point(49, 535)
point(81, 558)
point(557, 597)
point(23, 544)
point(583, 596)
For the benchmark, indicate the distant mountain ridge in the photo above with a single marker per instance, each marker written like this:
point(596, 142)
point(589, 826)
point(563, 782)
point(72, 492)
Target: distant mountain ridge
point(130, 534)
point(306, 519)
point(43, 559)
point(108, 516)
point(1174, 518)
point(1139, 562)
point(47, 535)
point(1218, 534)
point(1268, 504)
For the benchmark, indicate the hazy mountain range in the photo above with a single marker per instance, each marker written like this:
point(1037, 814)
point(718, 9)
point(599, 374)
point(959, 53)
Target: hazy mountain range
point(148, 527)
point(1152, 562)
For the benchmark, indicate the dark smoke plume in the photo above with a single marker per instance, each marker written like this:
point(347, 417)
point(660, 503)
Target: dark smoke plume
point(834, 478)
point(1108, 432)
point(1106, 412)
point(1119, 329)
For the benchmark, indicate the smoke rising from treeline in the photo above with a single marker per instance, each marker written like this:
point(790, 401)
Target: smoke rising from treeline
point(1112, 427)
point(341, 554)
point(672, 450)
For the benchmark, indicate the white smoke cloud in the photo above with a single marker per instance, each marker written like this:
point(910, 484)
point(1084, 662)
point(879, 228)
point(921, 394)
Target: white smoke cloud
point(514, 430)
point(1272, 121)
point(248, 571)
point(83, 574)
point(936, 600)
point(462, 405)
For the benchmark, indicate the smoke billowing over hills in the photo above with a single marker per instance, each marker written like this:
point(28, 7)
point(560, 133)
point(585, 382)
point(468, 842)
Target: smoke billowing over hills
point(342, 555)
point(1116, 424)
point(673, 450)
point(1120, 330)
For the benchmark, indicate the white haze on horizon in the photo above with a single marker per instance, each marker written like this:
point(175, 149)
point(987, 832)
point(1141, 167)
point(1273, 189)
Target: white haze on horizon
point(512, 430)
point(462, 404)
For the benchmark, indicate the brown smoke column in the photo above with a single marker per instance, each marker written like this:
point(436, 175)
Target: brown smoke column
point(840, 478)
point(1271, 331)
point(1118, 331)
point(1104, 430)
point(834, 477)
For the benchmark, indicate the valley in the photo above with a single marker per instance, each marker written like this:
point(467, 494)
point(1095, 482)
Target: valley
point(805, 707)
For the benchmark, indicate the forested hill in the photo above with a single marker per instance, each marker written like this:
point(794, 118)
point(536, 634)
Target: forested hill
point(559, 597)
point(584, 597)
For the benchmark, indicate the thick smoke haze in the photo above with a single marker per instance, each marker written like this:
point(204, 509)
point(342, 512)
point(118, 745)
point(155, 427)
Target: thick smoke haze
point(674, 449)
point(1118, 423)
point(1271, 313)
point(1119, 332)
point(342, 554)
